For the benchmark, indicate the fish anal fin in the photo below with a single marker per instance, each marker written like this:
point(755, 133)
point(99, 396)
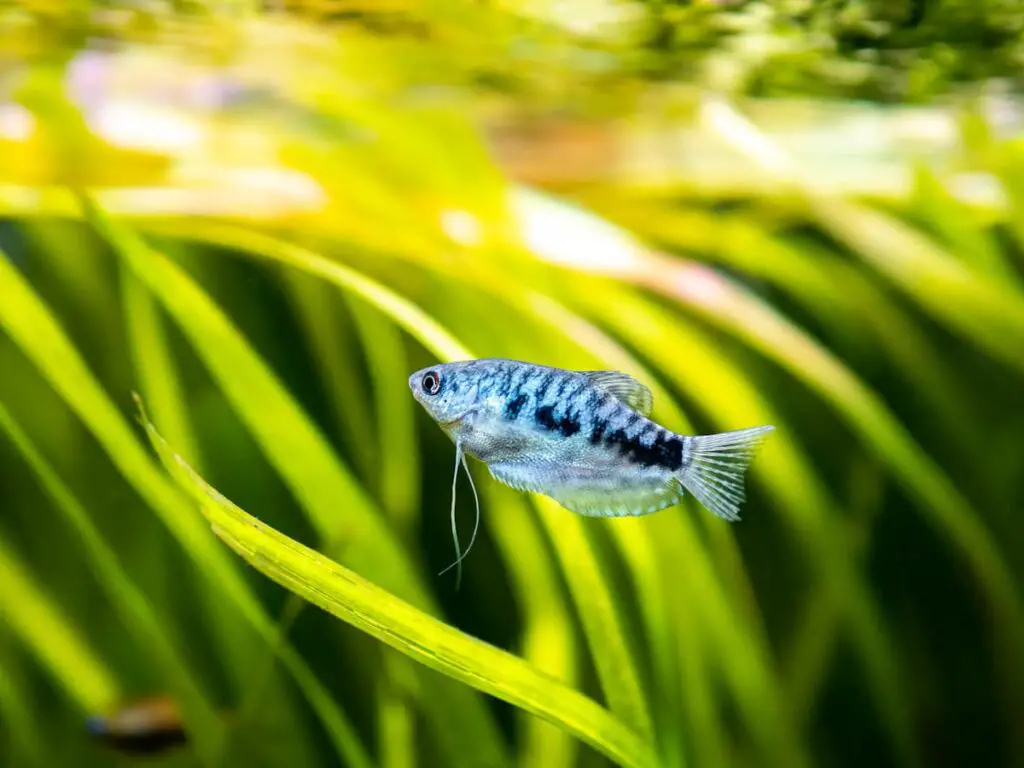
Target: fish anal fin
point(589, 491)
point(625, 388)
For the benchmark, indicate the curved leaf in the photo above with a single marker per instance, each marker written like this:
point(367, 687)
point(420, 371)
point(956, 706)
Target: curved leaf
point(200, 718)
point(65, 654)
point(297, 449)
point(613, 654)
point(548, 641)
point(602, 619)
point(725, 305)
point(977, 306)
point(732, 401)
point(36, 331)
point(399, 471)
point(152, 359)
point(429, 641)
point(24, 740)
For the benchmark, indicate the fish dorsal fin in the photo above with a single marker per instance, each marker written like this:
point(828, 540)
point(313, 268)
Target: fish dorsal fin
point(625, 388)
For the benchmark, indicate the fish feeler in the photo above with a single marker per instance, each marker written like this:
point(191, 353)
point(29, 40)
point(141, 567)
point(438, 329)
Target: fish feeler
point(460, 458)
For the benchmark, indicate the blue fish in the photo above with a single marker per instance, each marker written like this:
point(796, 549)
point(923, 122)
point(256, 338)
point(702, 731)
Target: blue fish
point(582, 438)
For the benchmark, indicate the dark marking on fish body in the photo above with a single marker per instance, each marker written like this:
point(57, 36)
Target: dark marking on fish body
point(514, 406)
point(506, 375)
point(646, 434)
point(585, 397)
point(670, 452)
point(542, 384)
point(570, 395)
point(618, 439)
point(597, 432)
point(556, 392)
point(666, 451)
point(566, 425)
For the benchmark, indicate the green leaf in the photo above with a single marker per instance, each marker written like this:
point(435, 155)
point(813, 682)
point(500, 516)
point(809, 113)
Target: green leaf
point(729, 307)
point(34, 328)
point(959, 226)
point(429, 641)
point(732, 401)
point(24, 737)
point(975, 305)
point(601, 614)
point(613, 654)
point(836, 292)
point(332, 342)
point(725, 305)
point(58, 646)
point(548, 641)
point(297, 449)
point(152, 359)
point(200, 718)
point(399, 471)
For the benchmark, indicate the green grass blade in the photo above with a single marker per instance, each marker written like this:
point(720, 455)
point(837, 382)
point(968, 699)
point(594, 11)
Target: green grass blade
point(761, 327)
point(151, 356)
point(548, 641)
point(939, 500)
point(414, 320)
point(836, 293)
point(200, 718)
point(612, 653)
point(958, 225)
point(333, 342)
point(58, 646)
point(725, 392)
point(396, 715)
point(290, 440)
point(34, 328)
point(429, 641)
point(158, 373)
point(37, 332)
point(815, 636)
point(977, 307)
point(699, 710)
point(727, 306)
point(25, 740)
point(638, 549)
point(399, 471)
point(297, 449)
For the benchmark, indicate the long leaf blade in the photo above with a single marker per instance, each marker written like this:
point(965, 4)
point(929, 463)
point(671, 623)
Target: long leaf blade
point(429, 641)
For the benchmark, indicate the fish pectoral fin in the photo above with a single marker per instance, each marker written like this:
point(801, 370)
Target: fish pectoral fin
point(589, 491)
point(625, 388)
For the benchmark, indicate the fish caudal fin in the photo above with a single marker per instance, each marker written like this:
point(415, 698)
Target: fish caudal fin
point(716, 465)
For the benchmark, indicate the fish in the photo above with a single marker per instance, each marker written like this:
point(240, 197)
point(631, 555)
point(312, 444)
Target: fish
point(582, 438)
point(149, 726)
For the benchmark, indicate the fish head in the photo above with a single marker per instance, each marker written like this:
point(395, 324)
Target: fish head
point(448, 392)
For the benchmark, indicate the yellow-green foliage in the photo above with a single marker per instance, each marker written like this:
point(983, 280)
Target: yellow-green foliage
point(226, 244)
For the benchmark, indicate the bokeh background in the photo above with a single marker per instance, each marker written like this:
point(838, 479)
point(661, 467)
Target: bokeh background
point(260, 217)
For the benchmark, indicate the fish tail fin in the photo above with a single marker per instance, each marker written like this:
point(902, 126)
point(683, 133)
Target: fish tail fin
point(715, 466)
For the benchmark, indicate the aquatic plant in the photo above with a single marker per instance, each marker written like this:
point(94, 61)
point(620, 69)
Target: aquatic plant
point(230, 232)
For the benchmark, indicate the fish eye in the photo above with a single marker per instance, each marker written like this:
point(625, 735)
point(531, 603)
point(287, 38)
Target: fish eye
point(431, 382)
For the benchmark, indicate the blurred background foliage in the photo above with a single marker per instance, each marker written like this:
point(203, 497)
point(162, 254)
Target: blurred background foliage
point(261, 217)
